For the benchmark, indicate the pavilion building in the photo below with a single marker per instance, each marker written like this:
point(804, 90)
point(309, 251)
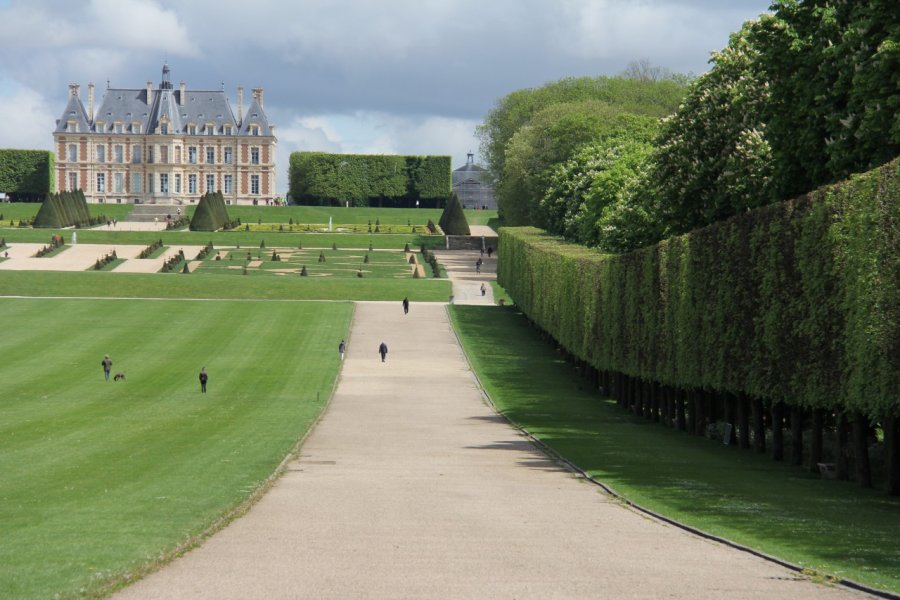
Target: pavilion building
point(473, 186)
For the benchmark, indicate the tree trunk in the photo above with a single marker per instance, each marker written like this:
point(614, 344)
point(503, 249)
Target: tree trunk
point(841, 468)
point(815, 442)
point(759, 427)
point(666, 408)
point(691, 405)
point(679, 409)
point(743, 407)
point(796, 436)
point(638, 397)
point(777, 431)
point(892, 454)
point(861, 451)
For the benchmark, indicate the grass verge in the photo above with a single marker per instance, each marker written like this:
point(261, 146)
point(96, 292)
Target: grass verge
point(101, 478)
point(826, 526)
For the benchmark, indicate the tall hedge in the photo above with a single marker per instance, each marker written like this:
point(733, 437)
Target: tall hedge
point(320, 178)
point(27, 175)
point(66, 209)
point(797, 302)
point(211, 214)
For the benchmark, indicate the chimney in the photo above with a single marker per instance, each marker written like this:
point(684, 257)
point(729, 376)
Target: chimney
point(90, 102)
point(181, 97)
point(73, 89)
point(149, 92)
point(240, 116)
point(258, 94)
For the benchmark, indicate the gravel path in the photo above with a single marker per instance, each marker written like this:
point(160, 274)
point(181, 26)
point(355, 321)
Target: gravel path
point(412, 487)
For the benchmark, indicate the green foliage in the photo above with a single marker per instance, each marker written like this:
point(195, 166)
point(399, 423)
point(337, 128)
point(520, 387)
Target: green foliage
point(66, 209)
point(26, 174)
point(453, 220)
point(794, 302)
point(319, 178)
point(210, 214)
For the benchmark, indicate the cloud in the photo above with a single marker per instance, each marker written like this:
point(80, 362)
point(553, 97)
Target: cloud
point(34, 119)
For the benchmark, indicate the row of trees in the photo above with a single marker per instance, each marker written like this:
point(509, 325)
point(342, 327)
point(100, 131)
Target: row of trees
point(799, 98)
point(324, 179)
point(790, 309)
point(66, 209)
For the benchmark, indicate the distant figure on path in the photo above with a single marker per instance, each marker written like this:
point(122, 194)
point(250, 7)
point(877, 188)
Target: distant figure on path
point(406, 306)
point(382, 350)
point(483, 290)
point(203, 379)
point(342, 347)
point(478, 266)
point(107, 366)
point(490, 251)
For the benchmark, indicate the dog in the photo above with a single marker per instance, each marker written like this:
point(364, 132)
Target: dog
point(119, 376)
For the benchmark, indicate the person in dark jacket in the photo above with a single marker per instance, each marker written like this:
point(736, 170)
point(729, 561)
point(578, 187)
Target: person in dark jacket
point(107, 366)
point(203, 379)
point(406, 306)
point(382, 350)
point(342, 347)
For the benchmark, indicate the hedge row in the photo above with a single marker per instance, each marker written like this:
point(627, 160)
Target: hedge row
point(790, 312)
point(321, 178)
point(65, 209)
point(26, 175)
point(796, 302)
point(211, 214)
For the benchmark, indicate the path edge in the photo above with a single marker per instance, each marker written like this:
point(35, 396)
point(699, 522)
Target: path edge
point(551, 453)
point(120, 581)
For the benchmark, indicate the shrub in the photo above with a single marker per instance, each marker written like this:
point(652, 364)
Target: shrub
point(321, 256)
point(211, 213)
point(303, 272)
point(453, 219)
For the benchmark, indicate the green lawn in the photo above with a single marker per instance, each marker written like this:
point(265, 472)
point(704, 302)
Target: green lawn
point(90, 284)
point(101, 478)
point(831, 527)
point(27, 210)
point(338, 263)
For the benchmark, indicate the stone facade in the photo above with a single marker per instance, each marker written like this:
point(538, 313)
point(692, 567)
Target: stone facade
point(165, 146)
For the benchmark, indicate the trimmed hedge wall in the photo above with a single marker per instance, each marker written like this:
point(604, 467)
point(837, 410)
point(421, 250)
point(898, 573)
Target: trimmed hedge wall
point(211, 214)
point(26, 175)
point(795, 303)
point(320, 178)
point(66, 209)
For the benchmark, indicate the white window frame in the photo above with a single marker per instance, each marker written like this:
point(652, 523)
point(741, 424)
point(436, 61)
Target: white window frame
point(228, 155)
point(137, 184)
point(119, 182)
point(192, 184)
point(254, 155)
point(73, 181)
point(163, 183)
point(101, 183)
point(177, 183)
point(136, 154)
point(210, 155)
point(119, 153)
point(210, 183)
point(73, 152)
point(101, 153)
point(228, 184)
point(192, 155)
point(254, 185)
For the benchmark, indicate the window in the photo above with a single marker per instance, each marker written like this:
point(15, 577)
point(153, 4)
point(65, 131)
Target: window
point(192, 184)
point(164, 154)
point(119, 152)
point(73, 152)
point(229, 181)
point(118, 128)
point(164, 183)
point(254, 184)
point(149, 154)
point(101, 182)
point(101, 154)
point(210, 155)
point(229, 156)
point(226, 129)
point(177, 155)
point(254, 156)
point(73, 182)
point(136, 183)
point(210, 183)
point(135, 128)
point(254, 130)
point(151, 180)
point(192, 155)
point(119, 182)
point(72, 127)
point(164, 129)
point(136, 154)
point(177, 183)
point(210, 129)
point(192, 130)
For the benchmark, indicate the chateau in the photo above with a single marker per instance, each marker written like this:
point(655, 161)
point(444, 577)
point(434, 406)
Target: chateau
point(165, 146)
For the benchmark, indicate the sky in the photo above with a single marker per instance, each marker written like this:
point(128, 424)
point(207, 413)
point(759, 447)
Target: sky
point(347, 76)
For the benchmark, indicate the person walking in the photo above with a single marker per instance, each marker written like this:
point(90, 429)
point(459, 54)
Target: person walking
point(490, 251)
point(382, 350)
point(203, 379)
point(483, 290)
point(342, 347)
point(478, 266)
point(107, 366)
point(406, 306)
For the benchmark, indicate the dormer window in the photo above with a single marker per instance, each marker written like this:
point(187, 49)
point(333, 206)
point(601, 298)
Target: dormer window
point(254, 130)
point(164, 129)
point(210, 129)
point(71, 127)
point(192, 130)
point(135, 128)
point(117, 127)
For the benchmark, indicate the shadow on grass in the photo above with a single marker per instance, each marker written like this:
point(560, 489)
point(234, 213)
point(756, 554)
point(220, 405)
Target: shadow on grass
point(834, 527)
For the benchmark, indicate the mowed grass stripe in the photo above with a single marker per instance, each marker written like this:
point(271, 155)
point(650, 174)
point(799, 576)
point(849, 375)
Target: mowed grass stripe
point(99, 478)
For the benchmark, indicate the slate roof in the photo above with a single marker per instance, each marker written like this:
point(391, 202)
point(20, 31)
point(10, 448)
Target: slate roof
point(129, 106)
